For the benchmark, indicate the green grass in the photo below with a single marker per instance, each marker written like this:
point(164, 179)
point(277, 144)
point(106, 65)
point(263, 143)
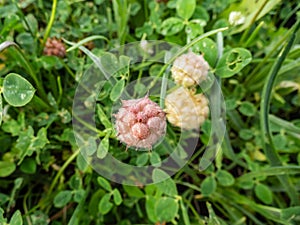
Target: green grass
point(57, 148)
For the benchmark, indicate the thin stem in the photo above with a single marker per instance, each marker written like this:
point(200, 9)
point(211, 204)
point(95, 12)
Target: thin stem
point(163, 90)
point(224, 200)
point(255, 75)
point(196, 214)
point(272, 171)
point(60, 90)
point(245, 34)
point(100, 133)
point(254, 34)
point(86, 40)
point(68, 69)
point(50, 24)
point(25, 206)
point(61, 170)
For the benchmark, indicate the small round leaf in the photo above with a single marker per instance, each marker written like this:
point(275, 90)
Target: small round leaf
point(159, 175)
point(208, 186)
point(233, 62)
point(103, 147)
point(62, 199)
point(28, 166)
point(17, 91)
point(164, 203)
point(142, 159)
point(185, 8)
point(155, 159)
point(150, 208)
point(264, 193)
point(224, 178)
point(104, 183)
point(79, 195)
point(171, 26)
point(246, 134)
point(247, 109)
point(16, 219)
point(117, 197)
point(105, 205)
point(209, 50)
point(6, 168)
point(116, 91)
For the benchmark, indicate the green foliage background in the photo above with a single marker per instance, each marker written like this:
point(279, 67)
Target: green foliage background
point(253, 180)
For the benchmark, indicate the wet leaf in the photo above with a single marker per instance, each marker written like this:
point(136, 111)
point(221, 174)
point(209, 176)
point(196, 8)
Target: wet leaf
point(17, 91)
point(233, 62)
point(209, 50)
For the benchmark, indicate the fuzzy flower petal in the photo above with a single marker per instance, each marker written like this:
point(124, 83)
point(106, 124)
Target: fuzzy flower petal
point(140, 123)
point(185, 109)
point(189, 69)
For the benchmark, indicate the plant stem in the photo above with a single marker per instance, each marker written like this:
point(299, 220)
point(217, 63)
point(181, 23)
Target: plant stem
point(25, 206)
point(60, 90)
point(255, 75)
point(68, 69)
point(50, 24)
point(86, 40)
point(245, 34)
point(61, 170)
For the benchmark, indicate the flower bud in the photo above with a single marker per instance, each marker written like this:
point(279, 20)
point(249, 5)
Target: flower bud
point(54, 47)
point(186, 109)
point(140, 123)
point(189, 69)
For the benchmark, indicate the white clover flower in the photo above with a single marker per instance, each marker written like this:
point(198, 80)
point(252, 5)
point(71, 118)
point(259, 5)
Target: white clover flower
point(146, 47)
point(140, 123)
point(236, 18)
point(189, 69)
point(186, 109)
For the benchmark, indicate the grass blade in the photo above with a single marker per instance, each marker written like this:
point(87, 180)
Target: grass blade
point(269, 148)
point(91, 38)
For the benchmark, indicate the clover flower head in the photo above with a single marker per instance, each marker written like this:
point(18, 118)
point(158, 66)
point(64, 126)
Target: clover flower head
point(236, 18)
point(189, 69)
point(140, 123)
point(186, 109)
point(54, 47)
